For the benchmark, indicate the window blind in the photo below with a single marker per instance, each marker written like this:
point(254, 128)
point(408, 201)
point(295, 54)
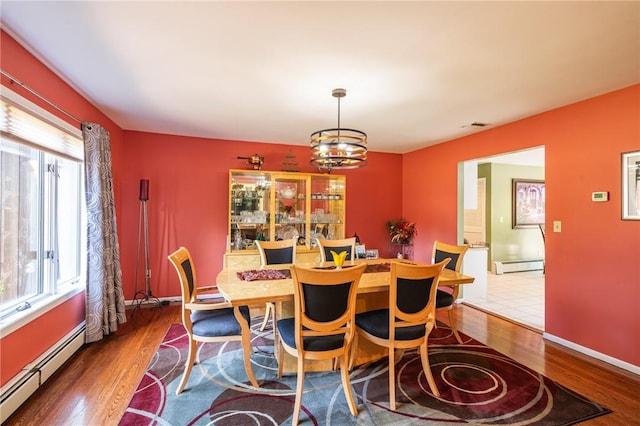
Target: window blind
point(24, 122)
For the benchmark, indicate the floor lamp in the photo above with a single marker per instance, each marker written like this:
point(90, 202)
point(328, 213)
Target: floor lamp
point(143, 228)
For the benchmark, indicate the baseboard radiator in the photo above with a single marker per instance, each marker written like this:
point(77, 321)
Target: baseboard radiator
point(18, 390)
point(506, 266)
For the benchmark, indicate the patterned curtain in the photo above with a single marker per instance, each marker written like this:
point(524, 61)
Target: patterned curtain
point(105, 301)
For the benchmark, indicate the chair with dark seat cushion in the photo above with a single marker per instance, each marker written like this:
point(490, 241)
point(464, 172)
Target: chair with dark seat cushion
point(446, 298)
point(409, 319)
point(323, 327)
point(209, 322)
point(275, 253)
point(346, 244)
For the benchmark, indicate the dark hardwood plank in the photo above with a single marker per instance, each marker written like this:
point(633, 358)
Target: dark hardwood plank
point(95, 386)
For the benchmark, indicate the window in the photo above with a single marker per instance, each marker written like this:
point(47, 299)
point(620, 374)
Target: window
point(42, 215)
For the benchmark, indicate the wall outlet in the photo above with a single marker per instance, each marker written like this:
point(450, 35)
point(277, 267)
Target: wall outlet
point(557, 226)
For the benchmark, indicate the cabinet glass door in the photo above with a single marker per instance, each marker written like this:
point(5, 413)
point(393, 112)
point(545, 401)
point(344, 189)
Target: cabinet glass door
point(250, 197)
point(327, 208)
point(290, 208)
point(271, 206)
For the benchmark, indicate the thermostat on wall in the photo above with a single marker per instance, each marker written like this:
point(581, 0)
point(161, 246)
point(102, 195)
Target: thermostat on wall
point(600, 196)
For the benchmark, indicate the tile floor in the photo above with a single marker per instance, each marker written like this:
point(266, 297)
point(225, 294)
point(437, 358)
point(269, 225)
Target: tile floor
point(518, 296)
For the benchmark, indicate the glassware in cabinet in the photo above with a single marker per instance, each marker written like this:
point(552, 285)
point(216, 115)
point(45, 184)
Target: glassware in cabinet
point(282, 205)
point(249, 204)
point(290, 209)
point(327, 211)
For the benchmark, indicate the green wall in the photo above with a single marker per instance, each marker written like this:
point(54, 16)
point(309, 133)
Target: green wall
point(506, 243)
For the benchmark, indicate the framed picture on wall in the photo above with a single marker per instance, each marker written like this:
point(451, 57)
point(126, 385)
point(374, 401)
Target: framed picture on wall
point(528, 200)
point(631, 185)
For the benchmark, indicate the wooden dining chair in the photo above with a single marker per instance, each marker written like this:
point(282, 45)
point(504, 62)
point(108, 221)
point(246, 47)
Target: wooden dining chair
point(326, 246)
point(323, 325)
point(206, 321)
point(446, 297)
point(408, 320)
point(275, 253)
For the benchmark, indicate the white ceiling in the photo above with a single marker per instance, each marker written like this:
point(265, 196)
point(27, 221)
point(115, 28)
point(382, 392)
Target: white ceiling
point(415, 72)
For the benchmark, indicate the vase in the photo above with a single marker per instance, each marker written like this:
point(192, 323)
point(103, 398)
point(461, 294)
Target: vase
point(402, 241)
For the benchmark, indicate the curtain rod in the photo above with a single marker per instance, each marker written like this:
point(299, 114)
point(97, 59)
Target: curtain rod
point(33, 91)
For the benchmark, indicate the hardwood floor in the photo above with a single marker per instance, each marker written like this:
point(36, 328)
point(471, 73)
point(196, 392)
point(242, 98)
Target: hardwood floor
point(95, 386)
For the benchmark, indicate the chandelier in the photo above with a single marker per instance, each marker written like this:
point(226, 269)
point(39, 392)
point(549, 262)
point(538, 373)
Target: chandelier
point(338, 148)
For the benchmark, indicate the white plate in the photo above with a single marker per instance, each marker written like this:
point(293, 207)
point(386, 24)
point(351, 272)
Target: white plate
point(287, 233)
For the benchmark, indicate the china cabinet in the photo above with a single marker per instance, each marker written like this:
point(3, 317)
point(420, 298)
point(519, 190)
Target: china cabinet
point(271, 206)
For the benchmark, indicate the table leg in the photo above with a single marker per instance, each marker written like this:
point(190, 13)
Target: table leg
point(277, 311)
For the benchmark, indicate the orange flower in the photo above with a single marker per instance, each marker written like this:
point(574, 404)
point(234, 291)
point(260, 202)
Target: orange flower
point(401, 231)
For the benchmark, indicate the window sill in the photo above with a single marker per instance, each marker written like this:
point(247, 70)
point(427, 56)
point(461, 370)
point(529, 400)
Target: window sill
point(20, 319)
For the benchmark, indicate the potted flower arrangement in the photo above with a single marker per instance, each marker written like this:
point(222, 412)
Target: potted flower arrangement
point(401, 231)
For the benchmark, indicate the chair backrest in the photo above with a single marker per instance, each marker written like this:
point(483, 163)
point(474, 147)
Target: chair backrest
point(443, 251)
point(326, 246)
point(412, 294)
point(277, 252)
point(325, 301)
point(181, 260)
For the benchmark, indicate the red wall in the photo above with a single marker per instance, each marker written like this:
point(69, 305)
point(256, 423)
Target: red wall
point(25, 345)
point(32, 340)
point(188, 200)
point(593, 266)
point(594, 259)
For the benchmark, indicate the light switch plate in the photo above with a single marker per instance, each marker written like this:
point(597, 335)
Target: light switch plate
point(557, 226)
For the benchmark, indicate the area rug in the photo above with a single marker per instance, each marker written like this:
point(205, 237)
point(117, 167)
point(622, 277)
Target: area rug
point(478, 386)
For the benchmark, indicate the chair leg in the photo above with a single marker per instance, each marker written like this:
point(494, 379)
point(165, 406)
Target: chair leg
point(246, 342)
point(280, 358)
point(346, 384)
point(353, 351)
point(187, 366)
point(392, 379)
point(398, 354)
point(452, 324)
point(299, 391)
point(267, 313)
point(424, 355)
point(246, 345)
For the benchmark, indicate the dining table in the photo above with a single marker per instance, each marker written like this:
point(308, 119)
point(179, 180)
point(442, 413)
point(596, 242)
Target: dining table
point(274, 284)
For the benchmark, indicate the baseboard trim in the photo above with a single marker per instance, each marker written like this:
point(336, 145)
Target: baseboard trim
point(524, 265)
point(153, 301)
point(593, 354)
point(14, 393)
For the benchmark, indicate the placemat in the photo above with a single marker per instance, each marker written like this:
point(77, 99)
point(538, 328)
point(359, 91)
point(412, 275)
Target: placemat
point(281, 274)
point(264, 274)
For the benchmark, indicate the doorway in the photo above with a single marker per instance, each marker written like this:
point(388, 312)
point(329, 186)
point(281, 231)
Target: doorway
point(517, 296)
point(475, 219)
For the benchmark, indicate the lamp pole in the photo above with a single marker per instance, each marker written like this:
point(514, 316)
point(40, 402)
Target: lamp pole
point(143, 228)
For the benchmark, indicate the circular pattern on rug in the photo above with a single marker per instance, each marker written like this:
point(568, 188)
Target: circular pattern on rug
point(479, 386)
point(476, 384)
point(469, 379)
